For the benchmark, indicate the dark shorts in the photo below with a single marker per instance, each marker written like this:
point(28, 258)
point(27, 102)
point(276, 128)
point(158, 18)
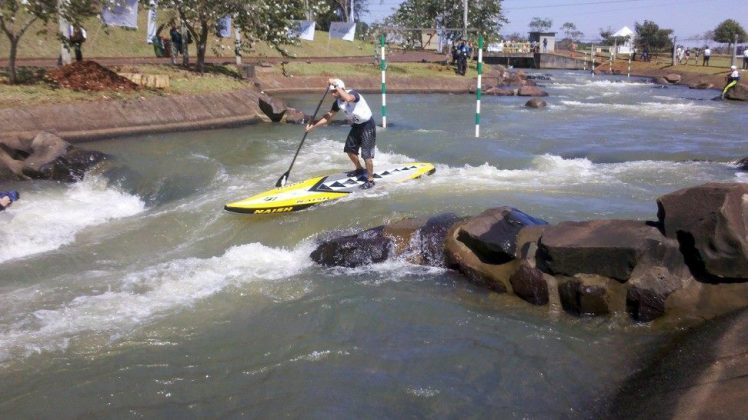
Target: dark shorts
point(362, 136)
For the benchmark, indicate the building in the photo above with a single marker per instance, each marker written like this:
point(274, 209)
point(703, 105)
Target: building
point(539, 37)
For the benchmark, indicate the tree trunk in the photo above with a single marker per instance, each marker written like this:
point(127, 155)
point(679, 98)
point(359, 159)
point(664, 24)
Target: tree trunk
point(12, 76)
point(202, 45)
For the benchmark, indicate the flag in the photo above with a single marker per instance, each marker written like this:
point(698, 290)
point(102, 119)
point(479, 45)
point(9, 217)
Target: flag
point(152, 23)
point(343, 30)
point(302, 29)
point(224, 27)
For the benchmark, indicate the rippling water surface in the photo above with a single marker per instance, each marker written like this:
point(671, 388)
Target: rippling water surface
point(133, 293)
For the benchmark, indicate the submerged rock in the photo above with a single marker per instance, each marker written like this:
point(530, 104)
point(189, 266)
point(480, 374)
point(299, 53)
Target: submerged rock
point(536, 103)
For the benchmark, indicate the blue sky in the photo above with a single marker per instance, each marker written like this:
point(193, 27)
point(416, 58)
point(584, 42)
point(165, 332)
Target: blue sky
point(686, 17)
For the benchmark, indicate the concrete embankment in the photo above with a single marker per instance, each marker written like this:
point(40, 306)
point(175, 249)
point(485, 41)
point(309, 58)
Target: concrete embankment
point(86, 121)
point(83, 121)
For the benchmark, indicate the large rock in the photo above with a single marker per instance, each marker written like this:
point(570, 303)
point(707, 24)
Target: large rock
point(529, 284)
point(738, 93)
point(486, 248)
point(531, 91)
point(492, 235)
point(536, 103)
point(701, 85)
point(742, 164)
point(272, 107)
point(499, 91)
point(711, 224)
point(428, 242)
point(367, 247)
point(585, 298)
point(672, 78)
point(609, 248)
point(47, 157)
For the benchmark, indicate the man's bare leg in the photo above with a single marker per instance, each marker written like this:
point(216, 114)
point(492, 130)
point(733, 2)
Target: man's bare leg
point(370, 168)
point(355, 160)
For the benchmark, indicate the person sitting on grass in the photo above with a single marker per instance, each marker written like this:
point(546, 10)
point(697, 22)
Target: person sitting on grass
point(7, 198)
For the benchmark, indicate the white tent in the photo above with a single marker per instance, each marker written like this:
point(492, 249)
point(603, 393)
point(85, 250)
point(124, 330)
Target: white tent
point(627, 46)
point(624, 32)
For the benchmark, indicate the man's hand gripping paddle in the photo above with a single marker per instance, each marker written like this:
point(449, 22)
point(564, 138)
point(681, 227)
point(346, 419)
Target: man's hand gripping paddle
point(282, 180)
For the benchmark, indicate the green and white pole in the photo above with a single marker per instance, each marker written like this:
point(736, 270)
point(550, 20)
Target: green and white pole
point(383, 67)
point(628, 72)
point(478, 86)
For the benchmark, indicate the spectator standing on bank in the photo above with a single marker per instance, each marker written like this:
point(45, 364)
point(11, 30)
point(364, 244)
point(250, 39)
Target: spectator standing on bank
point(745, 58)
point(707, 55)
point(77, 36)
point(545, 45)
point(176, 43)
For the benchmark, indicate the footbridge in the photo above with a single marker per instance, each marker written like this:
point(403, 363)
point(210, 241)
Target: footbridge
point(536, 60)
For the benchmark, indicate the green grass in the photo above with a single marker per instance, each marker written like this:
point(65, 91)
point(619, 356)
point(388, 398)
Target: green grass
point(393, 69)
point(122, 42)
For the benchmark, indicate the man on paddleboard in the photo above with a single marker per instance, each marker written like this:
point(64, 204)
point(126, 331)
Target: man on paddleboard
point(363, 134)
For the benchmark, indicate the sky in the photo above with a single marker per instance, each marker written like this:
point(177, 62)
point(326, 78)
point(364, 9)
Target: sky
point(687, 18)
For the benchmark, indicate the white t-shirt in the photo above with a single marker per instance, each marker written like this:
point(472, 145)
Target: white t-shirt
point(357, 112)
point(707, 52)
point(745, 52)
point(735, 74)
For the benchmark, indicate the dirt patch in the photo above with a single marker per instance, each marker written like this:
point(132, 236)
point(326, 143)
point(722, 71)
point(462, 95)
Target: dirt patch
point(90, 76)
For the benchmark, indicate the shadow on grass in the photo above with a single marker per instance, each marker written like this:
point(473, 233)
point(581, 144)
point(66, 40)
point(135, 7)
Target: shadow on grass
point(24, 76)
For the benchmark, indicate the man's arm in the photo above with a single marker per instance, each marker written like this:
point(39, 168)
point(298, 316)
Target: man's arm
point(322, 121)
point(345, 95)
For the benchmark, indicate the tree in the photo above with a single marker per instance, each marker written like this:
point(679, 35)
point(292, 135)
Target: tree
point(484, 15)
point(649, 34)
point(540, 25)
point(607, 36)
point(17, 16)
point(337, 11)
point(725, 32)
point(264, 20)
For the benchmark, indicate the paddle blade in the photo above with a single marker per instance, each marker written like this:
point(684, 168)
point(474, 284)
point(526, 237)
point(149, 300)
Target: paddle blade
point(282, 180)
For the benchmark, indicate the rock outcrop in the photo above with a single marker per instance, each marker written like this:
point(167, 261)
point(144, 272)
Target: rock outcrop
point(45, 157)
point(738, 93)
point(692, 262)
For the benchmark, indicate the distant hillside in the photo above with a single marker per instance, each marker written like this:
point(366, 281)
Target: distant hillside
point(121, 42)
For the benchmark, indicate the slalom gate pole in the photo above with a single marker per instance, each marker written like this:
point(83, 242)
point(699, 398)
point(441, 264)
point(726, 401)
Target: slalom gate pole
point(383, 67)
point(478, 86)
point(584, 62)
point(592, 53)
point(628, 73)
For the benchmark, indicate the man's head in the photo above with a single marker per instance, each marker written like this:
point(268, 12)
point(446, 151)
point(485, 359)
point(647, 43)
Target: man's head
point(733, 68)
point(335, 84)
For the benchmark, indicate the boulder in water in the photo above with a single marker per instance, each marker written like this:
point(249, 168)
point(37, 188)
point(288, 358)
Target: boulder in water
point(673, 78)
point(536, 103)
point(738, 93)
point(47, 156)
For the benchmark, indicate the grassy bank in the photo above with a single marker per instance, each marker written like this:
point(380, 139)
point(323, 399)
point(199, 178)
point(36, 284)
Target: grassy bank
point(36, 90)
point(40, 41)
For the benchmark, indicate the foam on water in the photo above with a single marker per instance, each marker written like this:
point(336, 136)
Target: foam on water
point(47, 220)
point(688, 110)
point(141, 297)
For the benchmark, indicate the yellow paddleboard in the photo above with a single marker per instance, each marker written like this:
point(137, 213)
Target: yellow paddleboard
point(324, 188)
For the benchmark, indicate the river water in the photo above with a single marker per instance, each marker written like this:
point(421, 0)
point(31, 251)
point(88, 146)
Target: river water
point(134, 294)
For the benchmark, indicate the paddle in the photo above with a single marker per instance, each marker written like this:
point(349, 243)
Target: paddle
point(282, 180)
